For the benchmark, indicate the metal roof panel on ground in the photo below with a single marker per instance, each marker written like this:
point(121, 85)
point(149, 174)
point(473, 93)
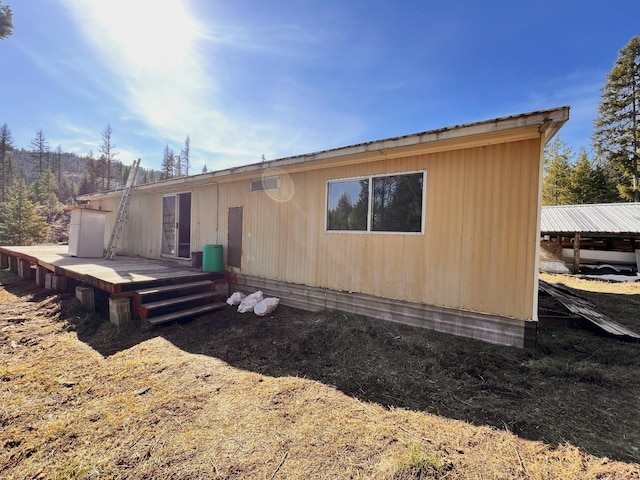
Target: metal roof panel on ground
point(596, 218)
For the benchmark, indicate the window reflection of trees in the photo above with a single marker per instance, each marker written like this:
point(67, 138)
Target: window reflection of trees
point(397, 202)
point(349, 214)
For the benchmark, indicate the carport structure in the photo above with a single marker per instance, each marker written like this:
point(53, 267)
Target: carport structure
point(594, 233)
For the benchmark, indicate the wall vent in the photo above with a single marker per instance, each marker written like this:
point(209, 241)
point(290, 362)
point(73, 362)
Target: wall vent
point(266, 183)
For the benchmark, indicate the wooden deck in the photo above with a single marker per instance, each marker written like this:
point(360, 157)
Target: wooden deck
point(121, 275)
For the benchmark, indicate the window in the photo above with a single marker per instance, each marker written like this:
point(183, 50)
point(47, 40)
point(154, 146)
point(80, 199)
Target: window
point(383, 203)
point(265, 183)
point(348, 205)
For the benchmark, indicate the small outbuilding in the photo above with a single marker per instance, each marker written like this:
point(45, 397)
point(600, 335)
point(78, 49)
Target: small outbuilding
point(438, 229)
point(86, 232)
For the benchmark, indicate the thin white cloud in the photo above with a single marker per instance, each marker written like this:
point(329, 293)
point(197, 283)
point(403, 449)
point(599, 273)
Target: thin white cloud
point(151, 49)
point(280, 40)
point(166, 83)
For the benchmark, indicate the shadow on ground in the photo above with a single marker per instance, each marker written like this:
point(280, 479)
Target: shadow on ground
point(576, 386)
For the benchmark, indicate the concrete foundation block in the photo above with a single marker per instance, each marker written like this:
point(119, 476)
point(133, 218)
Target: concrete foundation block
point(41, 272)
point(59, 283)
point(119, 310)
point(55, 282)
point(86, 297)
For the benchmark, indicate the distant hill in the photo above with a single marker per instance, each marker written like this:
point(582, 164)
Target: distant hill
point(74, 167)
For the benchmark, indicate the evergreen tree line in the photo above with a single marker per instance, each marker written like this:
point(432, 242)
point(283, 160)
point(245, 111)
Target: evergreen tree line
point(176, 165)
point(35, 184)
point(572, 181)
point(612, 175)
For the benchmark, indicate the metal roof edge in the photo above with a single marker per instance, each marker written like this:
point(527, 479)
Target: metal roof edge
point(591, 205)
point(549, 122)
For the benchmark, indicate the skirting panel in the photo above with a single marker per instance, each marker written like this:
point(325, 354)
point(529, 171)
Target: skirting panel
point(481, 326)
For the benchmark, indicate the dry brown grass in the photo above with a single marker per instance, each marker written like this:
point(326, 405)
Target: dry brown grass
point(293, 396)
point(594, 285)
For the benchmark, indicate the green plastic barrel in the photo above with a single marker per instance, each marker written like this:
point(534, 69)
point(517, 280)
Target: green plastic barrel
point(212, 258)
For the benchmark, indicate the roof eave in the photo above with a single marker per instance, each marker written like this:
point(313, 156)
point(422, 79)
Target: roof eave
point(548, 122)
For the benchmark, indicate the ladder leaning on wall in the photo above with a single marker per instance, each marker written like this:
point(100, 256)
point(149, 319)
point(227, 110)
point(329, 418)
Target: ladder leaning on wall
point(123, 212)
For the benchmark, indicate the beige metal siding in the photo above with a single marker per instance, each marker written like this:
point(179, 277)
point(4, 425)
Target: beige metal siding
point(477, 252)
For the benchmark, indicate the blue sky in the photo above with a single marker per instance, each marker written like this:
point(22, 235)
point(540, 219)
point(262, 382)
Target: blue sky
point(249, 78)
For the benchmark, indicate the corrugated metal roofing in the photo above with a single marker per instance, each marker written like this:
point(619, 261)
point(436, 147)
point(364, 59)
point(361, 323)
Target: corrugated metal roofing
point(597, 218)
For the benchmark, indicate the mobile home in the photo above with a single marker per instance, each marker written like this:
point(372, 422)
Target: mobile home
point(438, 229)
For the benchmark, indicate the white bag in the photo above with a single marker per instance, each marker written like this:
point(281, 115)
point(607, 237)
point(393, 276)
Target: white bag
point(266, 306)
point(249, 302)
point(235, 298)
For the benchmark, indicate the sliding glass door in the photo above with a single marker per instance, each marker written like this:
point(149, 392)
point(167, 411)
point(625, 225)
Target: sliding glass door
point(176, 225)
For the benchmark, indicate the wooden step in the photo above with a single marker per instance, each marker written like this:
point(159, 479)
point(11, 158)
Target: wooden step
point(147, 308)
point(174, 288)
point(190, 312)
point(177, 300)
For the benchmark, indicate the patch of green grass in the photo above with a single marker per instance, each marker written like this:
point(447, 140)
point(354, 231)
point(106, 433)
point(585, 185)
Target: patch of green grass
point(419, 464)
point(72, 471)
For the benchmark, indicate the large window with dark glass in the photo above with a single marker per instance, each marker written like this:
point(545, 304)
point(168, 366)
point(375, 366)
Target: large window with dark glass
point(381, 203)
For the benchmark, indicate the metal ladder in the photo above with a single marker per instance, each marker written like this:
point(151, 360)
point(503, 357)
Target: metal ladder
point(123, 212)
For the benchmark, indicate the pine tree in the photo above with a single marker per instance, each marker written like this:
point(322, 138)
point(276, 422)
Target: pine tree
point(20, 224)
point(44, 190)
point(616, 135)
point(56, 166)
point(185, 155)
point(168, 164)
point(178, 166)
point(124, 174)
point(12, 172)
point(606, 179)
point(101, 172)
point(6, 21)
point(6, 145)
point(40, 153)
point(66, 191)
point(85, 185)
point(107, 149)
point(581, 180)
point(556, 184)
